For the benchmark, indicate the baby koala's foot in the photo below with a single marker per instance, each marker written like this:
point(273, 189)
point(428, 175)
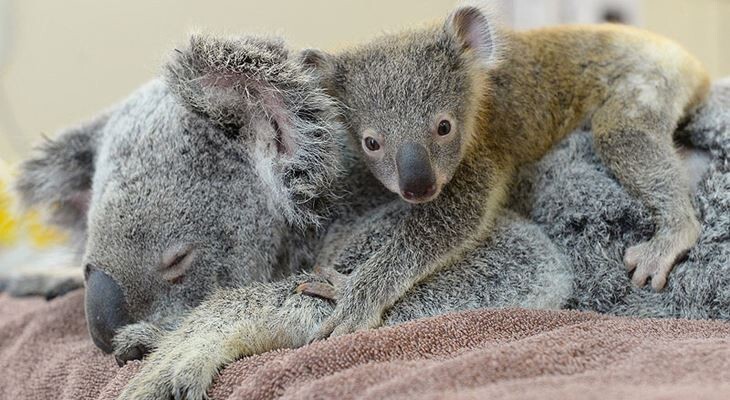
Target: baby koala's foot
point(330, 289)
point(358, 308)
point(656, 257)
point(349, 315)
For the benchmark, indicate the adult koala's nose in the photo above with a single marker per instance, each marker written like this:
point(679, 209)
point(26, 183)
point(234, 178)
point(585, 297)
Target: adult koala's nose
point(416, 178)
point(106, 308)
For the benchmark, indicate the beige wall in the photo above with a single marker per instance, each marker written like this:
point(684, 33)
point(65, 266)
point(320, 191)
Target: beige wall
point(71, 58)
point(702, 26)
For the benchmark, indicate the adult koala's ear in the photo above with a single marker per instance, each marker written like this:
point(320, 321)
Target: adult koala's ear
point(476, 31)
point(228, 79)
point(59, 175)
point(258, 93)
point(324, 68)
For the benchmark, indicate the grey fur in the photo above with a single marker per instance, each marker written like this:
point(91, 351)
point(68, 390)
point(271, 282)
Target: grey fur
point(58, 177)
point(572, 197)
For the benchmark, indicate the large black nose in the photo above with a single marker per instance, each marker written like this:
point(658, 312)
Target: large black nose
point(106, 309)
point(416, 178)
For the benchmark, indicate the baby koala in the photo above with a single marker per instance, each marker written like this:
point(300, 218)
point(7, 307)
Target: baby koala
point(446, 114)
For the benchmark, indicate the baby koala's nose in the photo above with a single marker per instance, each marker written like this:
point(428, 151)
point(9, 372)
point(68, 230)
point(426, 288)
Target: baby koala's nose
point(106, 308)
point(416, 178)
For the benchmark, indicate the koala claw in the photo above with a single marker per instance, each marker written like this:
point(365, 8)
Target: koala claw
point(329, 290)
point(132, 353)
point(135, 341)
point(656, 258)
point(318, 289)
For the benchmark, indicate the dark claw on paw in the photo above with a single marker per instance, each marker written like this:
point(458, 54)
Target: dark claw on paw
point(318, 289)
point(133, 353)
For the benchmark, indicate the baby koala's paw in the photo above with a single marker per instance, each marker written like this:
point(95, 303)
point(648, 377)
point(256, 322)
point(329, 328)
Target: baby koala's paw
point(357, 307)
point(49, 283)
point(657, 257)
point(135, 341)
point(350, 318)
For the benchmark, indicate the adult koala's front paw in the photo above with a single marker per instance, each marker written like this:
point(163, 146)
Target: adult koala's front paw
point(135, 341)
point(179, 368)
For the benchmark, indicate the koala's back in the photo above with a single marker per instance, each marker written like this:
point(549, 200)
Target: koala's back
point(551, 80)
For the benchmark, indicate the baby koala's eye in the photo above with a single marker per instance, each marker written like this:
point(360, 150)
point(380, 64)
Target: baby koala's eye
point(444, 128)
point(371, 144)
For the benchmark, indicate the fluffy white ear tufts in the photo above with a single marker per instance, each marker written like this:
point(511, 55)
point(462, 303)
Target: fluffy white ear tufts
point(474, 29)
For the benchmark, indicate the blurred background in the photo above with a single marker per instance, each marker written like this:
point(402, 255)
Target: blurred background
point(63, 61)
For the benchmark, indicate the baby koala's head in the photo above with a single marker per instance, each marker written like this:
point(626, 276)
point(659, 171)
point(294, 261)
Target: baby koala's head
point(411, 99)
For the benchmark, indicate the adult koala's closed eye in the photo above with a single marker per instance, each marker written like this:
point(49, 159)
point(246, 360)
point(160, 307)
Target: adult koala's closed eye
point(211, 178)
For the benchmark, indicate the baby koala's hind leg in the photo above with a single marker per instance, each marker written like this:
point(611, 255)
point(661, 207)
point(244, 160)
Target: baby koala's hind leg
point(635, 142)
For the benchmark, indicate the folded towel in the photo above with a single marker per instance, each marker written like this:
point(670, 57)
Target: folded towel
point(45, 353)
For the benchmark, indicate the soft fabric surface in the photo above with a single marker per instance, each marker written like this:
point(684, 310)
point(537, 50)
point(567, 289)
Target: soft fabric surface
point(45, 353)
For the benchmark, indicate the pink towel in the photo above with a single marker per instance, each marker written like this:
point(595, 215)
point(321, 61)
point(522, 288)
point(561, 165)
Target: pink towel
point(45, 353)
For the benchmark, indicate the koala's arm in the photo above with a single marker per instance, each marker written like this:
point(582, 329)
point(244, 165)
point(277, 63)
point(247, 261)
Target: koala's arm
point(264, 317)
point(230, 325)
point(517, 266)
point(424, 238)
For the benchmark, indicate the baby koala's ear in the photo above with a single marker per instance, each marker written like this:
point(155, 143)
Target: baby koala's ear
point(475, 30)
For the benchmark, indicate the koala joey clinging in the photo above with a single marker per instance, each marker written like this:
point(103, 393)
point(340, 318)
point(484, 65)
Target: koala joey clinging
point(446, 114)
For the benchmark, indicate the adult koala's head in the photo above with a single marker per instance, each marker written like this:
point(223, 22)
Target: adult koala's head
point(198, 181)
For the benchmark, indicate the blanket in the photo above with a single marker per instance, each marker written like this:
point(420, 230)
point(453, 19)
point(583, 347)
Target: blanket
point(45, 353)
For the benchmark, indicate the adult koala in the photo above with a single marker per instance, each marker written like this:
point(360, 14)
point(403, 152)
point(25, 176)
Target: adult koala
point(193, 183)
point(234, 170)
